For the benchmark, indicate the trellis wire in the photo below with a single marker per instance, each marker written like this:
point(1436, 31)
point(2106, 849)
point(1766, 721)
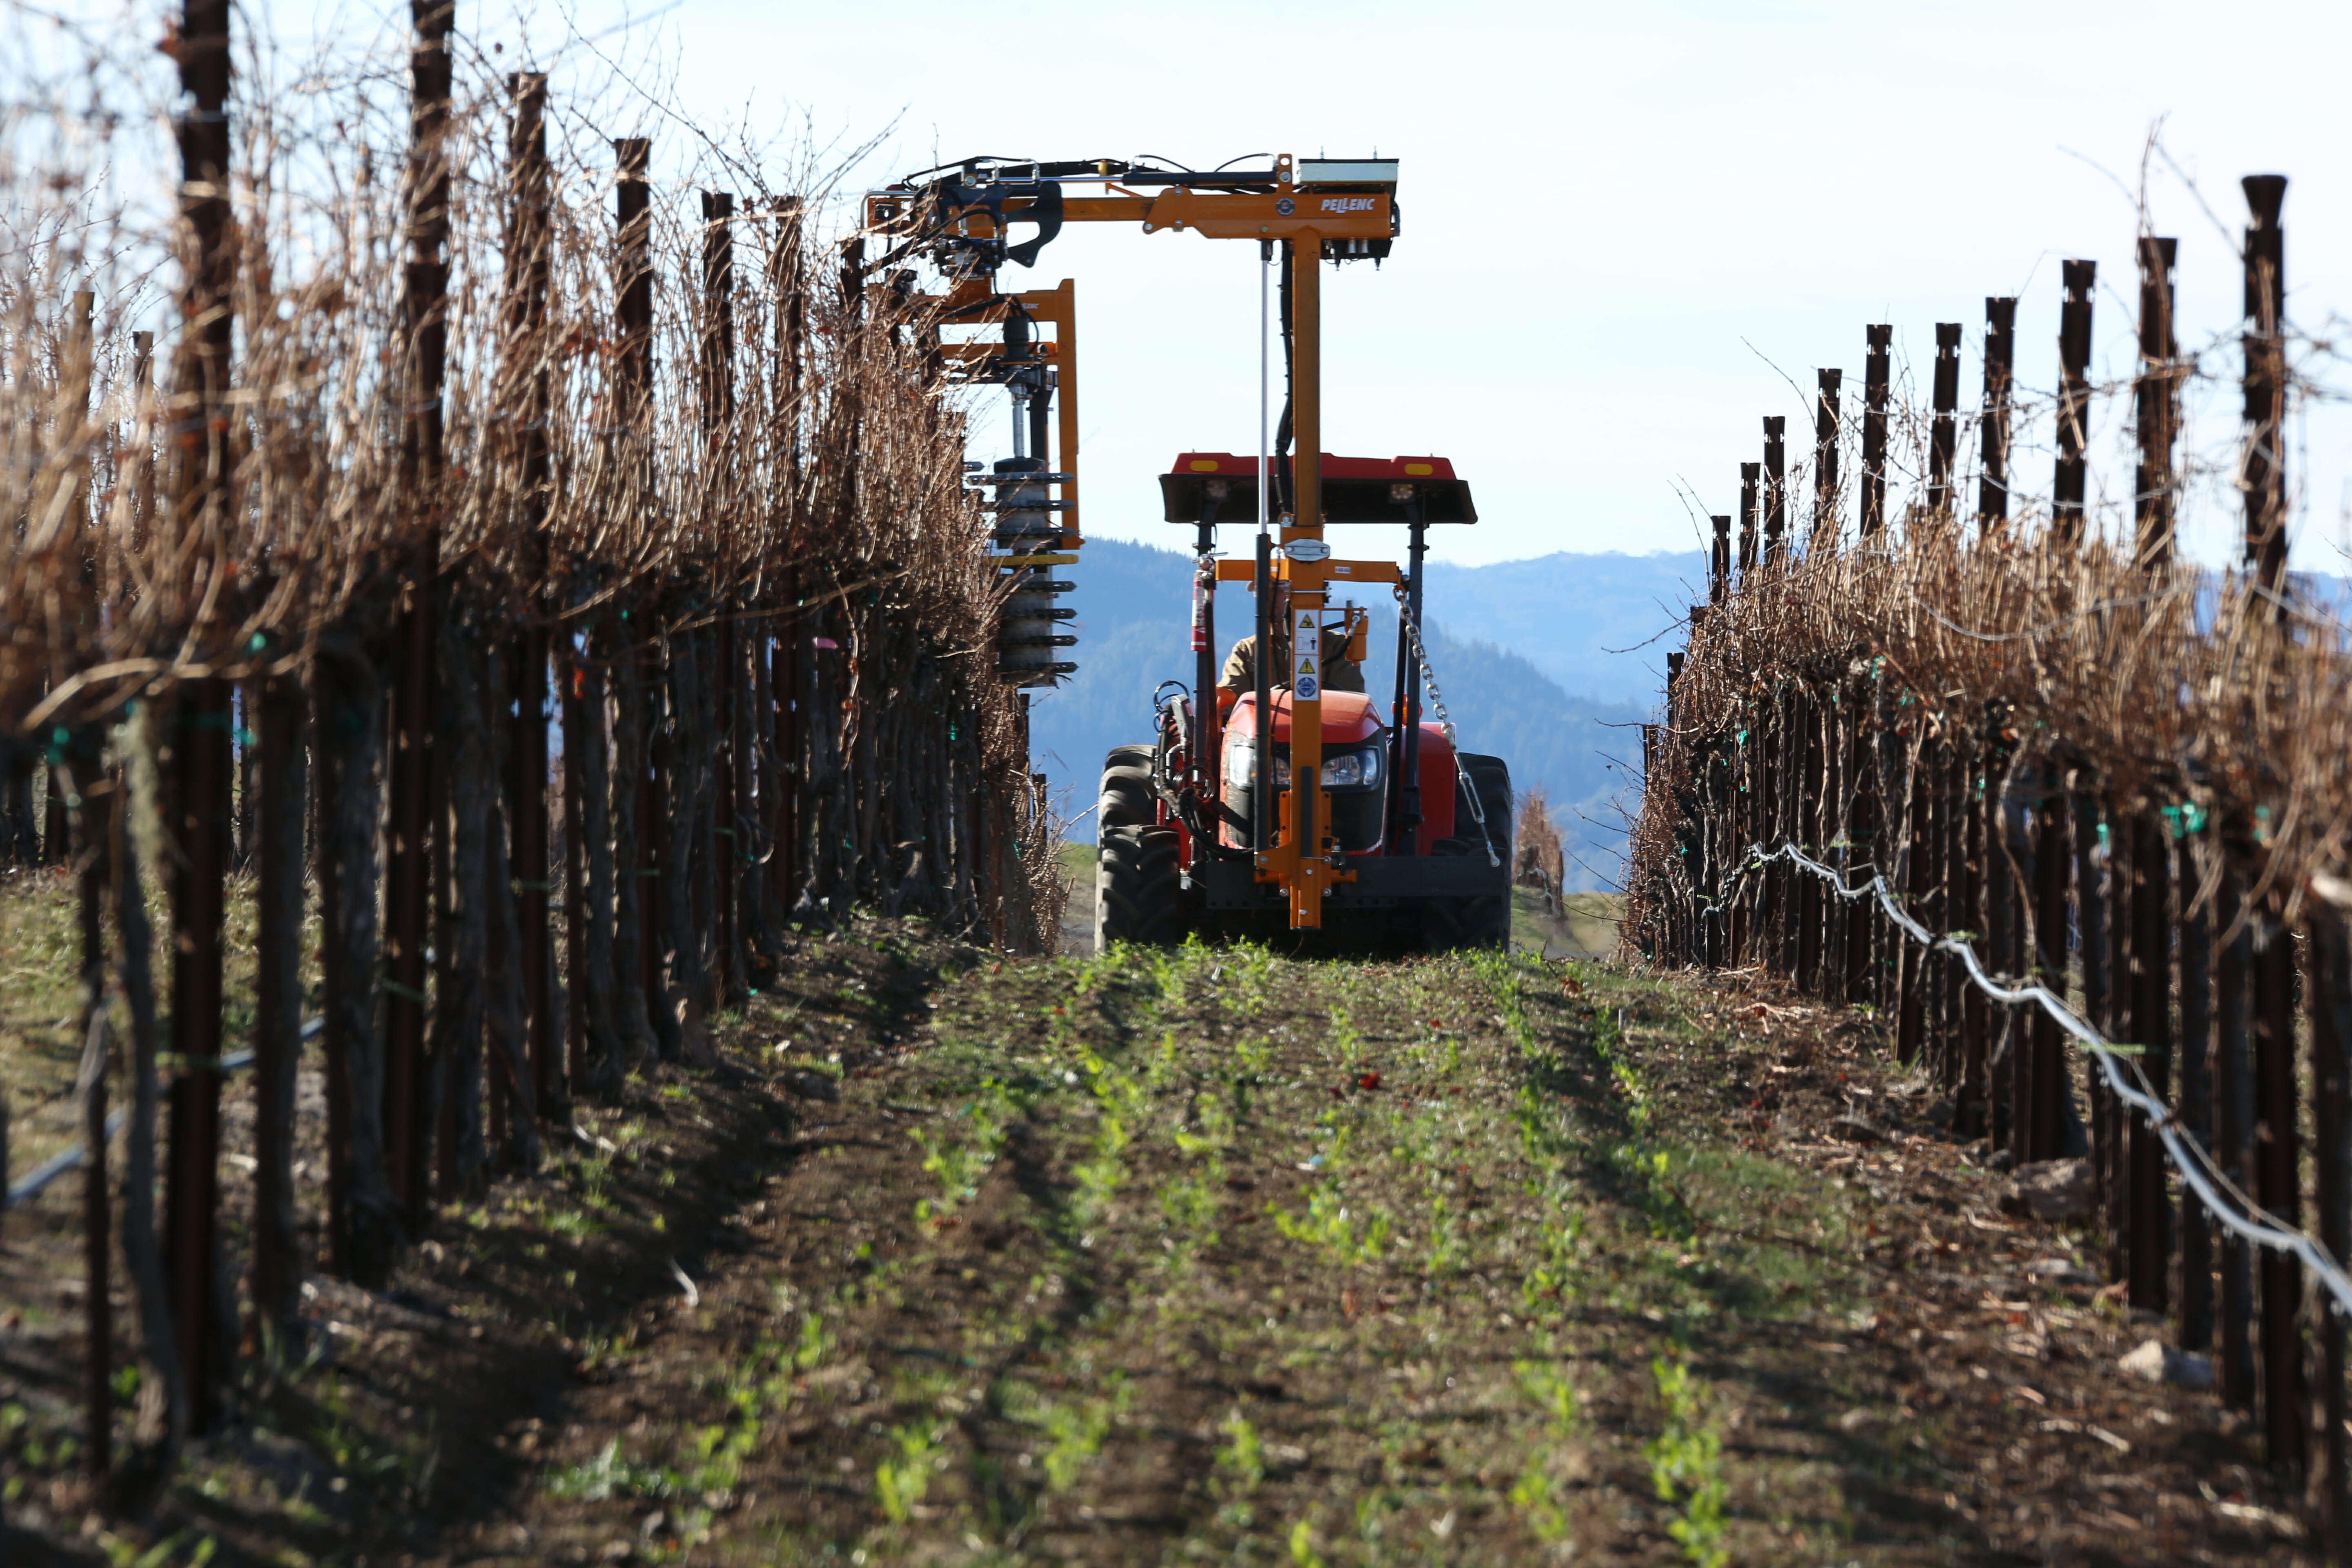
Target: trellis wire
point(2106, 1053)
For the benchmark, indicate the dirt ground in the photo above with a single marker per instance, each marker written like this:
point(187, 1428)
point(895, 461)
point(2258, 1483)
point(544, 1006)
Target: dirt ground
point(1582, 925)
point(1204, 1256)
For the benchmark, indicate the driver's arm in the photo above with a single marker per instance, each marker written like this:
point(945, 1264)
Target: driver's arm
point(1240, 675)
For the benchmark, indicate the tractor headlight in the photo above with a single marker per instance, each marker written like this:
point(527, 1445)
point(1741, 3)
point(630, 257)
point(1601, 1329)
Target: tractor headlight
point(1341, 769)
point(1241, 769)
point(1250, 772)
point(1352, 770)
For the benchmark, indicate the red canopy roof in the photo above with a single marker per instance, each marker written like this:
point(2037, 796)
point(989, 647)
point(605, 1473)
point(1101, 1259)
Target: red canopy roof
point(1393, 469)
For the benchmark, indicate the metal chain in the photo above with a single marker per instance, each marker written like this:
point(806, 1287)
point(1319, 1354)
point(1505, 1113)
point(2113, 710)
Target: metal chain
point(1428, 674)
point(1445, 722)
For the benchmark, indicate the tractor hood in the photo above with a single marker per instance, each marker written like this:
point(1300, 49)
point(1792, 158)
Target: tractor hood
point(1349, 718)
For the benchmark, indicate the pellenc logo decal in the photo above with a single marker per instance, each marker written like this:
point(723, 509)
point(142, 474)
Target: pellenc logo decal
point(1348, 203)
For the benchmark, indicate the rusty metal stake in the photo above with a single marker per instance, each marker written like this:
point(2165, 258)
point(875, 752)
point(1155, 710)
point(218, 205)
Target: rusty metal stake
point(2000, 371)
point(199, 793)
point(2157, 397)
point(1952, 877)
point(407, 899)
point(1911, 1018)
point(1942, 430)
point(1836, 847)
point(1864, 832)
point(633, 216)
point(2197, 1097)
point(1749, 478)
point(2151, 1029)
point(2074, 399)
point(1875, 376)
point(2233, 1130)
point(2330, 1007)
point(2007, 860)
point(528, 291)
point(1972, 845)
point(2053, 864)
point(723, 852)
point(2278, 1187)
point(282, 800)
point(1805, 825)
point(92, 822)
point(2265, 384)
point(577, 910)
point(787, 276)
point(1825, 457)
point(198, 783)
point(2093, 910)
point(1742, 816)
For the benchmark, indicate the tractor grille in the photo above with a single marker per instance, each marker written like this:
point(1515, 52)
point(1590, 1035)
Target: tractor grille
point(1355, 817)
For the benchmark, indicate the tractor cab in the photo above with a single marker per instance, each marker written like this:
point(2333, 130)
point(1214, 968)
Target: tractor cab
point(1273, 794)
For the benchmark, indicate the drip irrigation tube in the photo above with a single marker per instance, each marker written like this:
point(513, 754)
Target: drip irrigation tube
point(33, 1183)
point(2197, 1171)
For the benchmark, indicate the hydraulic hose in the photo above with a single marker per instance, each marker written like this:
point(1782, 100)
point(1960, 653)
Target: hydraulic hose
point(1262, 783)
point(1283, 428)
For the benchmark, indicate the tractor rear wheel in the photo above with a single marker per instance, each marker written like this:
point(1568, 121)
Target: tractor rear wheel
point(1451, 924)
point(1138, 892)
point(1491, 778)
point(1484, 920)
point(1126, 798)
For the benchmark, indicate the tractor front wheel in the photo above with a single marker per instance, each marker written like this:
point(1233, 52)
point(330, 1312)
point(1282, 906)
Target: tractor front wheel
point(1127, 799)
point(1139, 892)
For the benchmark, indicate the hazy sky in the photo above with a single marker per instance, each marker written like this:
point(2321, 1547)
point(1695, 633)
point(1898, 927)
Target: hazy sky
point(1621, 224)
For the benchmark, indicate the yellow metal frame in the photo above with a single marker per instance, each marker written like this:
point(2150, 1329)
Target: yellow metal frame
point(1285, 212)
point(974, 303)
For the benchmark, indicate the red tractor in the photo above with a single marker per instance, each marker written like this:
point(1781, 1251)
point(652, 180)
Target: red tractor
point(1366, 825)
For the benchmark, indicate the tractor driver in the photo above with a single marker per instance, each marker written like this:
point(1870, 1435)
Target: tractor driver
point(1241, 665)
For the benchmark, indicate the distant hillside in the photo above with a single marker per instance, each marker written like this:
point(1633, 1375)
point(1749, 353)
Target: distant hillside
point(1134, 606)
point(1565, 614)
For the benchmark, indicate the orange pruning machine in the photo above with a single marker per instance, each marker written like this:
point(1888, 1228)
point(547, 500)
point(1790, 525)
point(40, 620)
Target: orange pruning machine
point(1308, 807)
